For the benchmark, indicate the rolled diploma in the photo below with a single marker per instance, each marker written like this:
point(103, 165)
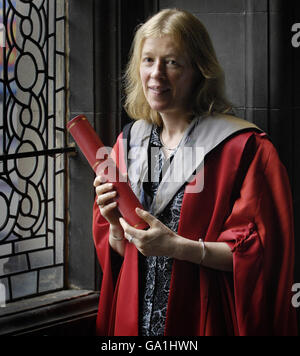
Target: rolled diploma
point(89, 144)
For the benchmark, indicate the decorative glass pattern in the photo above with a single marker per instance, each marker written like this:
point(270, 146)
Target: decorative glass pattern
point(32, 133)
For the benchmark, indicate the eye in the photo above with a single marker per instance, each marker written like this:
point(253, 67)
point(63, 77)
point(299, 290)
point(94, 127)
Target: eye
point(172, 62)
point(147, 60)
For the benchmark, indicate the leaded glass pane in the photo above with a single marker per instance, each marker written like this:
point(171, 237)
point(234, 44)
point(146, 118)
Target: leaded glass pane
point(32, 121)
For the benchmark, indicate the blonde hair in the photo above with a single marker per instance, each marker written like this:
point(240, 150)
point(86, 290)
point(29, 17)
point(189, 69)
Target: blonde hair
point(192, 37)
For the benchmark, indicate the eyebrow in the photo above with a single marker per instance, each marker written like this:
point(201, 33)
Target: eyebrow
point(148, 53)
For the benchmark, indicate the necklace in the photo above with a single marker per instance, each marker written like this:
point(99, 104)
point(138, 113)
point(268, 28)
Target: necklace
point(164, 145)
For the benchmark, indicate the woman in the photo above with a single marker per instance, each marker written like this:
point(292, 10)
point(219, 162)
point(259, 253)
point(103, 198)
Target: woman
point(217, 258)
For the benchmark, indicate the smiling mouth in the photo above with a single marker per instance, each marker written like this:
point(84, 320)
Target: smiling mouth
point(158, 90)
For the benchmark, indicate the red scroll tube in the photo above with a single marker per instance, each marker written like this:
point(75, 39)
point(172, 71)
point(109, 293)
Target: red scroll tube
point(89, 143)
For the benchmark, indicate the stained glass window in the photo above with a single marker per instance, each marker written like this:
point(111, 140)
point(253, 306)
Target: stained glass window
point(32, 142)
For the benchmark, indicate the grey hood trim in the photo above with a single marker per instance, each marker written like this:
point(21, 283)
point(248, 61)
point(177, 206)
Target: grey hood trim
point(200, 138)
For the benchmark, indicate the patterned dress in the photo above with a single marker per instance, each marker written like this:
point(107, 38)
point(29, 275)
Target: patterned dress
point(155, 271)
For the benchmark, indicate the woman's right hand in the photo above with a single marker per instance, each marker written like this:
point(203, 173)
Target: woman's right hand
point(105, 199)
point(108, 208)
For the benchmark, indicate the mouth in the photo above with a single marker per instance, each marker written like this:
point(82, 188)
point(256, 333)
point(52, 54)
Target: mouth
point(157, 90)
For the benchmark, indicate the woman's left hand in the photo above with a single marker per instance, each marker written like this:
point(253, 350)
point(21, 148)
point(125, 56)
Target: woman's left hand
point(158, 240)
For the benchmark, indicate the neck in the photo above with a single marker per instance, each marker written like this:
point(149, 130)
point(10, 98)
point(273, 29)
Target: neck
point(173, 130)
point(174, 125)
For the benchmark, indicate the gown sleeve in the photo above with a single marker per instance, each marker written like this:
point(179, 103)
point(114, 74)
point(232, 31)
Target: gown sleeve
point(106, 256)
point(260, 233)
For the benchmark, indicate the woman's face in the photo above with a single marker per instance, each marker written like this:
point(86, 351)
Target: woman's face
point(167, 76)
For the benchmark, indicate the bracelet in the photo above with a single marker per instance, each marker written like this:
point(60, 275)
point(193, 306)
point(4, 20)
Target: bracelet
point(116, 238)
point(203, 250)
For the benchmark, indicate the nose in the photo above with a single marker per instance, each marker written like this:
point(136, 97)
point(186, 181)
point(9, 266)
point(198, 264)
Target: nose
point(158, 69)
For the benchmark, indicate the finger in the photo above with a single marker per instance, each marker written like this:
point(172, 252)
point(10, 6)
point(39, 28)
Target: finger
point(125, 227)
point(104, 188)
point(103, 178)
point(97, 181)
point(124, 224)
point(129, 237)
point(103, 199)
point(130, 230)
point(108, 208)
point(100, 179)
point(150, 219)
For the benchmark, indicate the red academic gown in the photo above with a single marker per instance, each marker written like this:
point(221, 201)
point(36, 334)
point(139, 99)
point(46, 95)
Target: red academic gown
point(246, 202)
